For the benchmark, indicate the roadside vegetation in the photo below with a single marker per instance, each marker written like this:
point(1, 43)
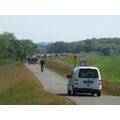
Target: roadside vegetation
point(109, 67)
point(13, 50)
point(17, 84)
point(19, 87)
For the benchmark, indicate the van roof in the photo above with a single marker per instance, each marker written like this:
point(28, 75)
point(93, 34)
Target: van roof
point(85, 68)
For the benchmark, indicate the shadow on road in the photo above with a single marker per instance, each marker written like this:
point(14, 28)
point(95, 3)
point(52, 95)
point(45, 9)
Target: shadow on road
point(80, 95)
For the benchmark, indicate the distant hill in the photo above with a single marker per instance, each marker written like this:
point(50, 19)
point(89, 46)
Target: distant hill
point(43, 43)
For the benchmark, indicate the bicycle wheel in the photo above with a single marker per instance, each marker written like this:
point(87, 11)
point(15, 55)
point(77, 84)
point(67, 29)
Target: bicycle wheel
point(41, 69)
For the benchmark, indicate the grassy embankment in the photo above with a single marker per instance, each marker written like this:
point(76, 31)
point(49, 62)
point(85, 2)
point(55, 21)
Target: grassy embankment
point(18, 86)
point(109, 68)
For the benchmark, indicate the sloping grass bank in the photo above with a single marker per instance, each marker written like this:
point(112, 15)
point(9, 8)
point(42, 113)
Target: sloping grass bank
point(109, 68)
point(19, 87)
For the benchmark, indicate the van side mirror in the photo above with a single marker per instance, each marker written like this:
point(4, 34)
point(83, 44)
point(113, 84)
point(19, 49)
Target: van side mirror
point(68, 76)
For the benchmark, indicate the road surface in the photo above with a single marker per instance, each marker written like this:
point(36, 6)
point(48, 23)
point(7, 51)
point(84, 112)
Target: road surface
point(55, 84)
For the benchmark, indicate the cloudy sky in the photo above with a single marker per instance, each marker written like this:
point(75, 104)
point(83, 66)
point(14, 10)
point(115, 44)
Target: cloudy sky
point(51, 28)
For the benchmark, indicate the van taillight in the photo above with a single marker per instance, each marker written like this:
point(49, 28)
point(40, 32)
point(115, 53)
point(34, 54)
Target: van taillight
point(100, 83)
point(76, 81)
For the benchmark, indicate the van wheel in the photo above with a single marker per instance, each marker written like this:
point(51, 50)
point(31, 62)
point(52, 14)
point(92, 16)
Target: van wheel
point(99, 94)
point(69, 92)
point(74, 93)
point(92, 94)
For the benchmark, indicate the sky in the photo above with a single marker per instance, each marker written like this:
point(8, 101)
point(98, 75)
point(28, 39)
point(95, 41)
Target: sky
point(68, 28)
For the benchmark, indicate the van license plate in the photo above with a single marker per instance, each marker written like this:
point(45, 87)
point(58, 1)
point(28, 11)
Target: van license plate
point(88, 82)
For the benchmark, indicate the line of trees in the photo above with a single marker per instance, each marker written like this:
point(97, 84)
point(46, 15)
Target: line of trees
point(12, 49)
point(104, 46)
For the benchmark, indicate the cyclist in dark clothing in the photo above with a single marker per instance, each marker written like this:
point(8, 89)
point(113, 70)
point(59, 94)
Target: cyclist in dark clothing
point(36, 59)
point(42, 63)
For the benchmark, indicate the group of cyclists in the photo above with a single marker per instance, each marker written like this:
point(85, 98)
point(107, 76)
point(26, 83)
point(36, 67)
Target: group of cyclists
point(41, 58)
point(34, 60)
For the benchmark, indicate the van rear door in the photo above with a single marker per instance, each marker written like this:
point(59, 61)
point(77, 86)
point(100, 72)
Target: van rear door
point(88, 78)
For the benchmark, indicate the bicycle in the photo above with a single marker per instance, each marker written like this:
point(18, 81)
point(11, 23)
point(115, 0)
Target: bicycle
point(42, 68)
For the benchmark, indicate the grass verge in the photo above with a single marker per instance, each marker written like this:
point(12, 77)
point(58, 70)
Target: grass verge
point(19, 87)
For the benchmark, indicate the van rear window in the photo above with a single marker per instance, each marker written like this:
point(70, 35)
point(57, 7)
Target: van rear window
point(88, 73)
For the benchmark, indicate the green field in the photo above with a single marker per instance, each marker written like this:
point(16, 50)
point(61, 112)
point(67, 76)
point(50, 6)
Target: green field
point(19, 87)
point(109, 67)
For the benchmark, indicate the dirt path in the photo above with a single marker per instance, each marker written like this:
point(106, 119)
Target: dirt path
point(55, 84)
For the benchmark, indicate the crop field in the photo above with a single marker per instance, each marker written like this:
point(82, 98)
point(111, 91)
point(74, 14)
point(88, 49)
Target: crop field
point(109, 67)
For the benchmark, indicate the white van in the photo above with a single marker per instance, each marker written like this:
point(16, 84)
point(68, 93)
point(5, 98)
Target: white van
point(85, 80)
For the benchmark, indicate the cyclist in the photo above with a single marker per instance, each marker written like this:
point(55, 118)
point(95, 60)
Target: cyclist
point(42, 62)
point(36, 59)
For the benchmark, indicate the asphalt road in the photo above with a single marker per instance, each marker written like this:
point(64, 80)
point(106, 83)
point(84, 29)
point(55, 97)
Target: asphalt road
point(55, 84)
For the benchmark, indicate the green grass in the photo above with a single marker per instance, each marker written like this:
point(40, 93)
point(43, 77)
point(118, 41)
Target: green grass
point(19, 87)
point(109, 67)
point(4, 62)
